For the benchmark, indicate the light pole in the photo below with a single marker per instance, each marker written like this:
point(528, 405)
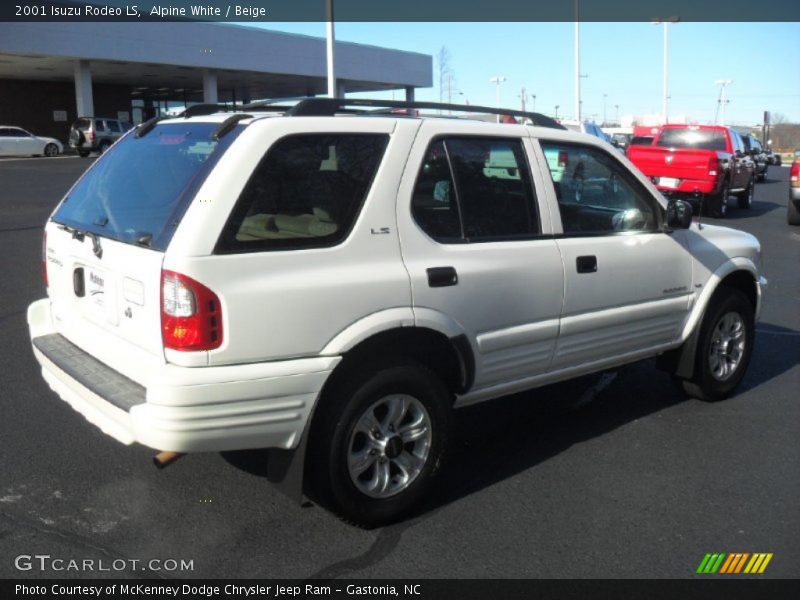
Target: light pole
point(557, 110)
point(331, 40)
point(497, 80)
point(665, 101)
point(533, 109)
point(616, 107)
point(722, 100)
point(605, 120)
point(577, 65)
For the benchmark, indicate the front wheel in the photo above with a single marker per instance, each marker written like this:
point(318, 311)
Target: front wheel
point(378, 442)
point(724, 347)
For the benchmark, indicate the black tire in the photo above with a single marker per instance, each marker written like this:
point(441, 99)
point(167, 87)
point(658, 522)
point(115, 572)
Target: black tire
point(792, 213)
point(763, 175)
point(704, 385)
point(333, 437)
point(83, 153)
point(103, 147)
point(719, 203)
point(745, 199)
point(50, 150)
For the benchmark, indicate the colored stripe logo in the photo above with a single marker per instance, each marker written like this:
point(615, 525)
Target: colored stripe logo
point(736, 562)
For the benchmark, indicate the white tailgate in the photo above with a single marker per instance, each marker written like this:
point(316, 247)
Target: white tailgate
point(118, 318)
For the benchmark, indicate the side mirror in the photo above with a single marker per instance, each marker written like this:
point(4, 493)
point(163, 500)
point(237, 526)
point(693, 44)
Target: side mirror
point(679, 214)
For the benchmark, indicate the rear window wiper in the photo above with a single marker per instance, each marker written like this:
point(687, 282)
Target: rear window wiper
point(80, 235)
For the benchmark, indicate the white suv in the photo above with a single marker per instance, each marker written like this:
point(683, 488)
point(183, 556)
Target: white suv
point(334, 282)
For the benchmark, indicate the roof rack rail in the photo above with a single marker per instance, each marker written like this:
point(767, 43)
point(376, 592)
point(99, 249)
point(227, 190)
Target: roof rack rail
point(326, 107)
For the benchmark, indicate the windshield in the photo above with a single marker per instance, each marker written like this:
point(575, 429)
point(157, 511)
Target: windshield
point(134, 193)
point(702, 139)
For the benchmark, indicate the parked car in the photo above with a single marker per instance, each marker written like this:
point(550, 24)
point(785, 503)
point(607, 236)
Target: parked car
point(793, 208)
point(704, 164)
point(753, 147)
point(335, 286)
point(91, 134)
point(589, 127)
point(15, 141)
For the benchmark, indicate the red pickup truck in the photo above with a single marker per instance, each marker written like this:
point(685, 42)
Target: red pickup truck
point(703, 164)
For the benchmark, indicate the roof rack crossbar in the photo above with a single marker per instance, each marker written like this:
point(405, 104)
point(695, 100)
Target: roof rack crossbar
point(227, 125)
point(203, 109)
point(325, 107)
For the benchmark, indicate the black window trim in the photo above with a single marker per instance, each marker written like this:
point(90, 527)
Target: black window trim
point(661, 212)
point(226, 247)
point(443, 137)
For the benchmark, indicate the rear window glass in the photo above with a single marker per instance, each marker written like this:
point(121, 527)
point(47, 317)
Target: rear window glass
point(703, 139)
point(81, 124)
point(133, 193)
point(306, 192)
point(641, 140)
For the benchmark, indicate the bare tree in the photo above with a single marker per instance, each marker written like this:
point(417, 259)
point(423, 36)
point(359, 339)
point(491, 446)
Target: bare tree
point(776, 118)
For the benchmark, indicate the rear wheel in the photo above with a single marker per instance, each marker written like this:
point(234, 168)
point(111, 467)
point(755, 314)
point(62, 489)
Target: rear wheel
point(724, 346)
point(51, 150)
point(719, 202)
point(745, 198)
point(792, 214)
point(83, 153)
point(103, 147)
point(378, 442)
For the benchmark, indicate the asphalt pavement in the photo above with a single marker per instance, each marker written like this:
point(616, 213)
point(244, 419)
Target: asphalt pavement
point(610, 476)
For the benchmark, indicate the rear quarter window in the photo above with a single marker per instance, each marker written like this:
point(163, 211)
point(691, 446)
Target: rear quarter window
point(306, 192)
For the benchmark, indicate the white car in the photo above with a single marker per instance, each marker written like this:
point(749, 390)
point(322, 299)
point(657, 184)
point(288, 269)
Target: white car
point(335, 284)
point(15, 141)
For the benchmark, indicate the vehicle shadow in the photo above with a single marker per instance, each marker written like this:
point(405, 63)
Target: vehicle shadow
point(499, 439)
point(758, 208)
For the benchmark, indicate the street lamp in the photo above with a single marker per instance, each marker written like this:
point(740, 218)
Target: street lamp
point(497, 80)
point(722, 100)
point(616, 106)
point(557, 105)
point(605, 120)
point(534, 102)
point(666, 21)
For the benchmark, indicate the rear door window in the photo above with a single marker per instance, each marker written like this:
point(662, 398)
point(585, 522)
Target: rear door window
point(113, 126)
point(137, 192)
point(472, 189)
point(306, 192)
point(99, 125)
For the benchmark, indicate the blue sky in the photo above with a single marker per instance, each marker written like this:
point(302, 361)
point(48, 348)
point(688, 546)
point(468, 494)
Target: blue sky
point(622, 60)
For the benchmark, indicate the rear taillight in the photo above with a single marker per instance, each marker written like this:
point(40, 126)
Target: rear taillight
point(794, 174)
point(44, 260)
point(191, 315)
point(91, 136)
point(713, 166)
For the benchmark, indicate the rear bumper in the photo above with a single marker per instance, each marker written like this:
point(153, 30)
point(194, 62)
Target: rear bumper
point(690, 187)
point(794, 194)
point(183, 409)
